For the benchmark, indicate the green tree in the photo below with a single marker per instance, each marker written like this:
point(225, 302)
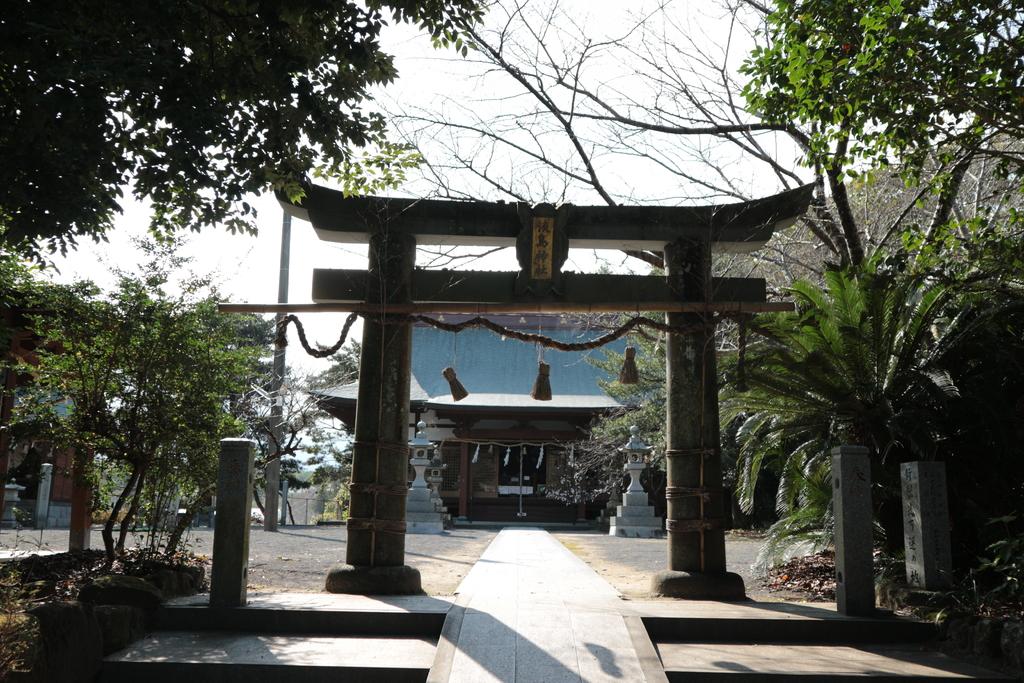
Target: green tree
point(930, 88)
point(344, 368)
point(140, 379)
point(860, 361)
point(193, 104)
point(879, 80)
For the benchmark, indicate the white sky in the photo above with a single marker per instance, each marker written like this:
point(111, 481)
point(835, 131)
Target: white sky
point(246, 267)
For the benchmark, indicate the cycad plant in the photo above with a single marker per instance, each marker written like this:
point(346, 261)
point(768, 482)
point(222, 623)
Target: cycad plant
point(857, 362)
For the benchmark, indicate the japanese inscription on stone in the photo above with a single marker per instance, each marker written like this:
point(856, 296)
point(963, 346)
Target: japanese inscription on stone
point(926, 528)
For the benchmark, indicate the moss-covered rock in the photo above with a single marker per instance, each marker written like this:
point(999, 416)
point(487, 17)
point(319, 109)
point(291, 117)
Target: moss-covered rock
point(69, 646)
point(120, 625)
point(1012, 645)
point(177, 581)
point(115, 589)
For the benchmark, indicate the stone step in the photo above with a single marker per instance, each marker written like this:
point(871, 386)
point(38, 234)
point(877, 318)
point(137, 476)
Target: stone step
point(698, 662)
point(224, 657)
point(767, 628)
point(310, 613)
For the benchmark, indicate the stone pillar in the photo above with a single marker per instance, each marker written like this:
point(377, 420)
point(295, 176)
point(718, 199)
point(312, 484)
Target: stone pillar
point(43, 495)
point(926, 538)
point(375, 552)
point(851, 505)
point(230, 572)
point(81, 501)
point(284, 501)
point(696, 512)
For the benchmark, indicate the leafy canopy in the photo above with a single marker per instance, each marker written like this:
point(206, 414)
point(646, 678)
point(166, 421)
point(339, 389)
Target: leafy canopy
point(195, 104)
point(873, 79)
point(140, 377)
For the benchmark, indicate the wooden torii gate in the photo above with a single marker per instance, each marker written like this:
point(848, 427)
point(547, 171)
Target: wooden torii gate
point(542, 235)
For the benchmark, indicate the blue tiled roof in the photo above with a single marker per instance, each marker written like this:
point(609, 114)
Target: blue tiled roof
point(499, 373)
point(486, 364)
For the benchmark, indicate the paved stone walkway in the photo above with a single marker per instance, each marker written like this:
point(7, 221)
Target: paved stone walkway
point(536, 612)
point(533, 611)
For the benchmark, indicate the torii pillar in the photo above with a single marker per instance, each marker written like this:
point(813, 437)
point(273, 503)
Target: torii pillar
point(696, 501)
point(375, 552)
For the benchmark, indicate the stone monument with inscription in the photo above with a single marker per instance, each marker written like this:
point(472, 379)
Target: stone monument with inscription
point(42, 515)
point(851, 504)
point(230, 572)
point(926, 529)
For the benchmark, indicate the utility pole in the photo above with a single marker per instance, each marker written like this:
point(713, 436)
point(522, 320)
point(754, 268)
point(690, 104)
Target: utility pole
point(272, 474)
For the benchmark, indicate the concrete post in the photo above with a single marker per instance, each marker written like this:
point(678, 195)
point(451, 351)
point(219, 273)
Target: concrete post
point(43, 495)
point(230, 572)
point(851, 505)
point(929, 558)
point(696, 513)
point(272, 473)
point(375, 552)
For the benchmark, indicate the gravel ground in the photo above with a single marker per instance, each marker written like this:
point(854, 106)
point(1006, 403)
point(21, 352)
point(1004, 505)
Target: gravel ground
point(628, 563)
point(297, 557)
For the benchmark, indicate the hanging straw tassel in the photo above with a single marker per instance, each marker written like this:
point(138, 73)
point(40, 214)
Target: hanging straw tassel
point(476, 455)
point(629, 374)
point(542, 386)
point(458, 391)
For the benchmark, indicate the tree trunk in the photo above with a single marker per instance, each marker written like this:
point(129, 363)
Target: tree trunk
point(184, 522)
point(154, 519)
point(108, 527)
point(133, 509)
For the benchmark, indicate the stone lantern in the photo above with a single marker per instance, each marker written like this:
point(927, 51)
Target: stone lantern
point(635, 518)
point(435, 475)
point(419, 449)
point(422, 514)
point(10, 501)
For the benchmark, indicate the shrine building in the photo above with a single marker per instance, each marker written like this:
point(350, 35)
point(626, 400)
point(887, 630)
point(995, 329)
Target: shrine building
point(485, 437)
